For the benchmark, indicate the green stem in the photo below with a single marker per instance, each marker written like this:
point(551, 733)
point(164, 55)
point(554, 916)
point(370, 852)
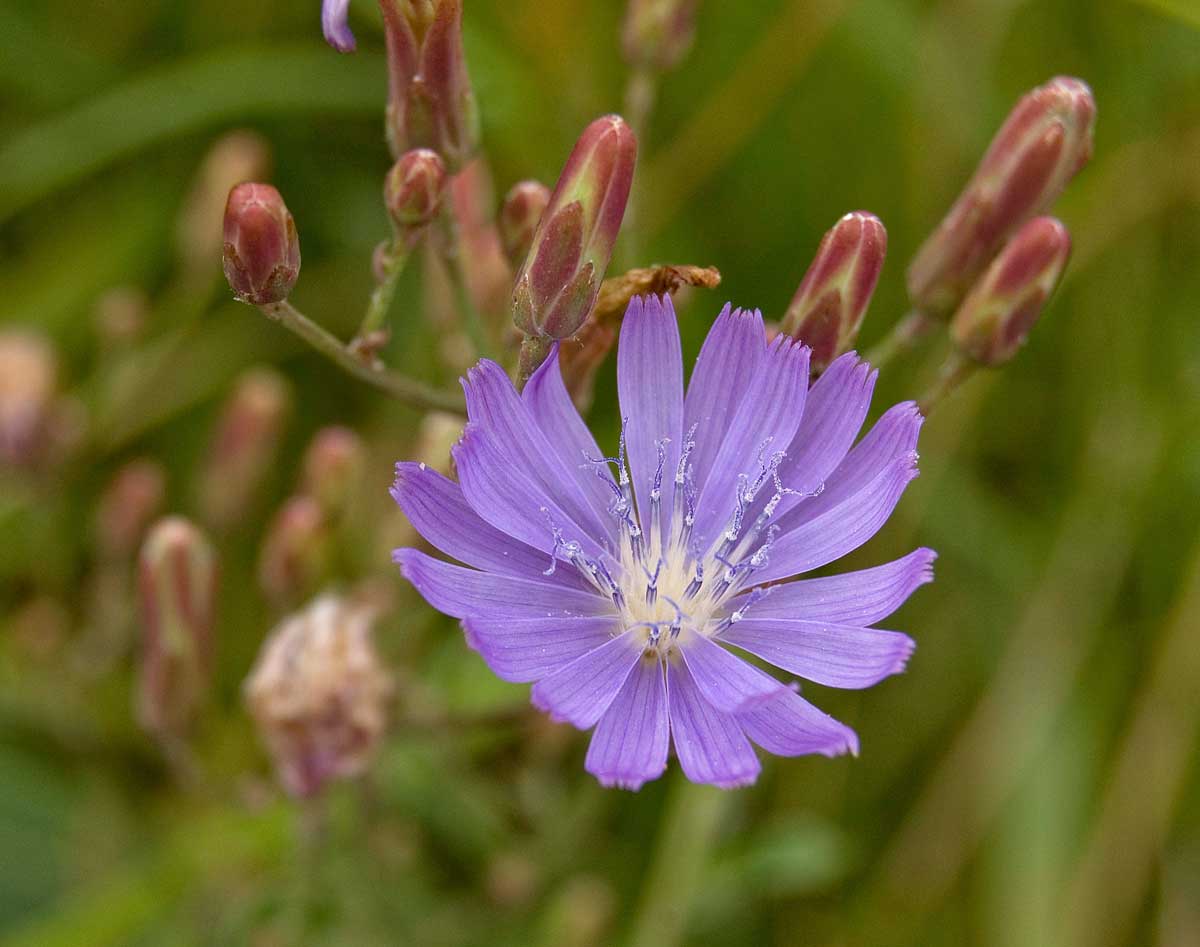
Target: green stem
point(904, 335)
point(640, 94)
point(954, 371)
point(451, 252)
point(688, 831)
point(400, 387)
point(381, 298)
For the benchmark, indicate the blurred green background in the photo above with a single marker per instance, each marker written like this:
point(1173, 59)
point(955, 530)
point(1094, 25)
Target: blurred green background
point(1032, 778)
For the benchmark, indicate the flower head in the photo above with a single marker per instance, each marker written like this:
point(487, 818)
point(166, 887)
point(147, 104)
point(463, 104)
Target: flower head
point(620, 584)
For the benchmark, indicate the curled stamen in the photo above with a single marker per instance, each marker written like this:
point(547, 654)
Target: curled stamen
point(656, 487)
point(689, 444)
point(652, 581)
point(624, 471)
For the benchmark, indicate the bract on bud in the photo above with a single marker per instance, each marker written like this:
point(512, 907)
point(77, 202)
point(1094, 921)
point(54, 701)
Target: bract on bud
point(1002, 307)
point(295, 550)
point(657, 34)
point(320, 695)
point(133, 497)
point(829, 305)
point(177, 578)
point(333, 466)
point(412, 189)
point(244, 445)
point(519, 215)
point(1046, 139)
point(28, 386)
point(558, 283)
point(262, 248)
point(430, 101)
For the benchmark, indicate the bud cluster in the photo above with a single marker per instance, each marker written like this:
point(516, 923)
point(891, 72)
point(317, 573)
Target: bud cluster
point(430, 101)
point(1042, 145)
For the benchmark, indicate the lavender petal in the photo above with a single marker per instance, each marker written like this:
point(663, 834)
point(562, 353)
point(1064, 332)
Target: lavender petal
point(629, 745)
point(830, 654)
point(528, 649)
point(710, 745)
point(840, 530)
point(463, 593)
point(725, 680)
point(765, 423)
point(788, 725)
point(438, 511)
point(727, 364)
point(494, 405)
point(852, 598)
point(334, 17)
point(582, 691)
point(650, 389)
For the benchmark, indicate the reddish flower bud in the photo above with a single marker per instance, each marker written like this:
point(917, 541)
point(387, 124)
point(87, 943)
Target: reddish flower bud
point(1002, 307)
point(430, 101)
point(658, 33)
point(320, 695)
point(1046, 139)
point(558, 283)
point(134, 496)
point(28, 387)
point(519, 216)
point(333, 466)
point(177, 575)
point(244, 445)
point(412, 189)
point(295, 551)
point(262, 248)
point(828, 308)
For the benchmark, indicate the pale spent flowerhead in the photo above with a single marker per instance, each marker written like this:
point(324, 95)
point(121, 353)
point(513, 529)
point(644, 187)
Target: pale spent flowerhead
point(320, 694)
point(619, 584)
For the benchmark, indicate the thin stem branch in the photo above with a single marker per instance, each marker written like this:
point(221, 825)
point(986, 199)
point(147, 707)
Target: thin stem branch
point(401, 387)
point(954, 371)
point(640, 94)
point(381, 298)
point(905, 335)
point(451, 252)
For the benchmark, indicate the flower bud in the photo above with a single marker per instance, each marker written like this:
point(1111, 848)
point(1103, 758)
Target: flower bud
point(430, 101)
point(412, 189)
point(28, 386)
point(134, 496)
point(333, 467)
point(244, 445)
point(262, 248)
point(335, 25)
point(319, 695)
point(658, 33)
point(1046, 139)
point(1002, 307)
point(558, 283)
point(828, 308)
point(177, 578)
point(295, 551)
point(519, 215)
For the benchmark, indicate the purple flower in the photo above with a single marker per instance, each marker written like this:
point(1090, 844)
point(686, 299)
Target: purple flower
point(619, 585)
point(335, 25)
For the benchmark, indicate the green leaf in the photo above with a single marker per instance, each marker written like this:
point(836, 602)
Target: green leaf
point(207, 91)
